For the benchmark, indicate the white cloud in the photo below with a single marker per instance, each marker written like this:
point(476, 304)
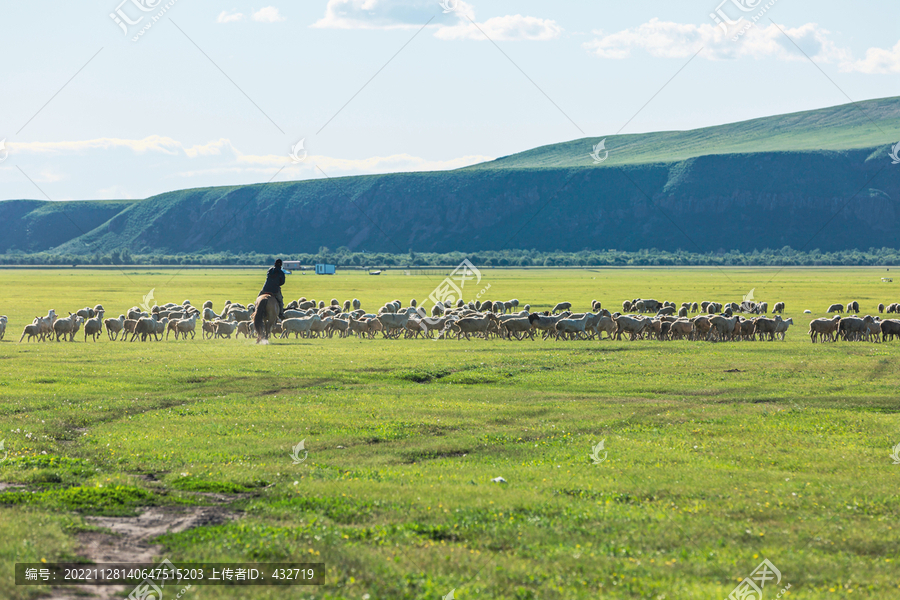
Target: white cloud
point(218, 157)
point(453, 25)
point(229, 17)
point(268, 14)
point(877, 61)
point(508, 28)
point(380, 14)
point(666, 39)
point(154, 143)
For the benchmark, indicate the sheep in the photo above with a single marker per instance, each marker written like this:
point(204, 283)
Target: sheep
point(682, 329)
point(722, 328)
point(546, 323)
point(145, 327)
point(321, 326)
point(573, 326)
point(114, 326)
point(208, 304)
point(880, 309)
point(748, 329)
point(67, 326)
point(346, 306)
point(128, 327)
point(298, 326)
point(779, 308)
point(134, 313)
point(393, 323)
point(359, 327)
point(46, 324)
point(413, 328)
point(182, 326)
point(561, 307)
point(244, 328)
point(683, 312)
point(224, 329)
point(781, 326)
point(160, 327)
point(890, 329)
point(94, 327)
point(209, 314)
point(605, 323)
point(340, 325)
point(239, 315)
point(475, 324)
point(186, 326)
point(86, 313)
point(334, 302)
point(3, 322)
point(518, 326)
point(356, 304)
point(633, 326)
point(208, 328)
point(855, 328)
point(32, 331)
point(835, 308)
point(874, 332)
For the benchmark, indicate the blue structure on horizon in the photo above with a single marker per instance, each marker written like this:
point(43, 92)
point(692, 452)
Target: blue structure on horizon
point(324, 269)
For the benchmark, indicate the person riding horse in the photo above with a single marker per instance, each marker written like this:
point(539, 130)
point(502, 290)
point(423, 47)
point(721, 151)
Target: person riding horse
point(274, 281)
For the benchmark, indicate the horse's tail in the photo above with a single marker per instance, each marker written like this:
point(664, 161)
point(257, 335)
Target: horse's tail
point(259, 317)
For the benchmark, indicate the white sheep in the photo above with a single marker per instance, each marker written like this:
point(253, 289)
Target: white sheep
point(32, 331)
point(94, 327)
point(145, 327)
point(114, 326)
point(3, 321)
point(184, 327)
point(67, 326)
point(298, 326)
point(225, 328)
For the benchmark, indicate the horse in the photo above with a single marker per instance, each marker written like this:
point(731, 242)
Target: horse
point(265, 317)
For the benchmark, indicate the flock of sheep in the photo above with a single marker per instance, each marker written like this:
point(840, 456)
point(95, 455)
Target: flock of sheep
point(712, 321)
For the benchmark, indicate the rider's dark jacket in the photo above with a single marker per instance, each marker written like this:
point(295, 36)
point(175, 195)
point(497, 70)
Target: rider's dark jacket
point(274, 281)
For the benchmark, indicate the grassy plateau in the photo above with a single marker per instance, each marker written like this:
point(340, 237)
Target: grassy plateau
point(715, 455)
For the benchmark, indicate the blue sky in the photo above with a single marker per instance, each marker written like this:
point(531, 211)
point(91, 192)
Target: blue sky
point(219, 94)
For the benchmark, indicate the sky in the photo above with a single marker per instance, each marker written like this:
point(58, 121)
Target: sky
point(112, 99)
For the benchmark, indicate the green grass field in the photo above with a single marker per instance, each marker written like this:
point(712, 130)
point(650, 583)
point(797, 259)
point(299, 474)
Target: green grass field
point(717, 455)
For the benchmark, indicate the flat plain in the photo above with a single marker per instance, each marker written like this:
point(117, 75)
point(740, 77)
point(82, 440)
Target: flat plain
point(715, 455)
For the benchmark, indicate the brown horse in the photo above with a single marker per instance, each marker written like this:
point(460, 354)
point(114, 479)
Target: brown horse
point(265, 317)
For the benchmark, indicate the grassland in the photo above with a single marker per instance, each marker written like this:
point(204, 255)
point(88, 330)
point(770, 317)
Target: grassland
point(717, 455)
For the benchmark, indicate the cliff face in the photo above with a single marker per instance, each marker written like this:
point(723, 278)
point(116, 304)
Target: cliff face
point(829, 199)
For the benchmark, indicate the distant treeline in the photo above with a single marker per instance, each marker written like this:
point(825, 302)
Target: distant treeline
point(343, 257)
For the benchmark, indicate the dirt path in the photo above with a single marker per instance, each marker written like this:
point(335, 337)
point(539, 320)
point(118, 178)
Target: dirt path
point(129, 542)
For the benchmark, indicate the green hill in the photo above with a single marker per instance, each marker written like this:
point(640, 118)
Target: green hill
point(850, 126)
point(814, 179)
